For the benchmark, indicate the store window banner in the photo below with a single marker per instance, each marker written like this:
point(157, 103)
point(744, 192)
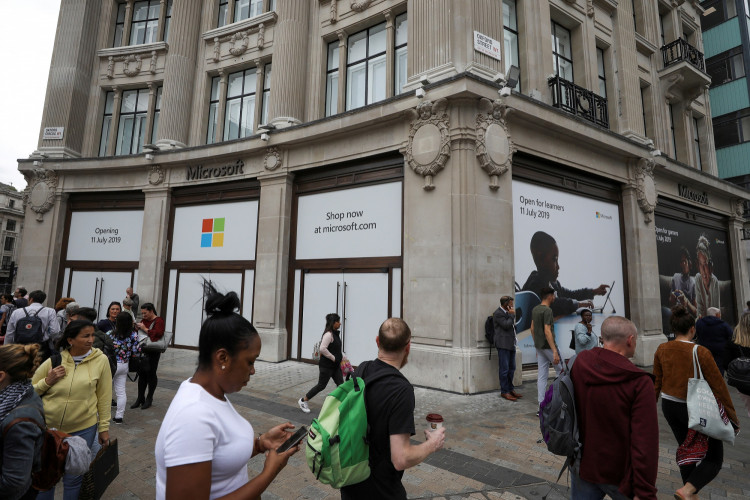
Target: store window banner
point(108, 236)
point(571, 243)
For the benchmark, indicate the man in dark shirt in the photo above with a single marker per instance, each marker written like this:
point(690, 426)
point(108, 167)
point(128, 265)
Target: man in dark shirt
point(545, 253)
point(543, 333)
point(20, 297)
point(714, 334)
point(390, 414)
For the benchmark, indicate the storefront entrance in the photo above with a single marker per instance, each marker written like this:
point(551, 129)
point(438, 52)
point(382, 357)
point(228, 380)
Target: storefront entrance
point(98, 289)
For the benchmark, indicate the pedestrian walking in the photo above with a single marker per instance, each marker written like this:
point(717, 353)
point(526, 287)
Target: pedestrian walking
point(329, 366)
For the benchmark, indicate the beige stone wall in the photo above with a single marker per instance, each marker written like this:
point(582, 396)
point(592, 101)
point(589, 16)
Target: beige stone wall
point(458, 233)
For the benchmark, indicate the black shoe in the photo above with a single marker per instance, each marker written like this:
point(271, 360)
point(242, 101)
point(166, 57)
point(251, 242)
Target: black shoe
point(114, 403)
point(137, 404)
point(146, 404)
point(118, 420)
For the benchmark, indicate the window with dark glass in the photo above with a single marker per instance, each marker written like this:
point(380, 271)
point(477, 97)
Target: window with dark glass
point(157, 114)
point(671, 129)
point(724, 10)
point(732, 129)
point(106, 123)
point(240, 110)
point(223, 13)
point(132, 126)
point(119, 24)
point(725, 67)
point(9, 242)
point(510, 37)
point(401, 55)
point(11, 203)
point(10, 225)
point(266, 93)
point(213, 110)
point(332, 79)
point(697, 143)
point(6, 262)
point(601, 72)
point(365, 67)
point(167, 21)
point(562, 57)
point(145, 26)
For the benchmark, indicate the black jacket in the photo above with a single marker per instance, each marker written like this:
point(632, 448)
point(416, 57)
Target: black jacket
point(505, 334)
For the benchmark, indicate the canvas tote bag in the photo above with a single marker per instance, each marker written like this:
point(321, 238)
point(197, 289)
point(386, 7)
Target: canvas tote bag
point(703, 410)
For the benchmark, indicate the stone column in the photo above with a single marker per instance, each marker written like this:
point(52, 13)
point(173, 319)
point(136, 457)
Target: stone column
point(429, 40)
point(260, 78)
point(643, 273)
point(535, 50)
point(154, 250)
point(69, 83)
point(390, 56)
point(115, 123)
point(287, 102)
point(627, 57)
point(162, 17)
point(486, 18)
point(177, 94)
point(222, 106)
point(150, 113)
point(128, 23)
point(272, 257)
point(40, 254)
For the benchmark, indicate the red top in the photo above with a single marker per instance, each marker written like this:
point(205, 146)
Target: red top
point(156, 329)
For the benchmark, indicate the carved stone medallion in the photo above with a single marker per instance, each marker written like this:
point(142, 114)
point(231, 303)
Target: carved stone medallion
point(429, 142)
point(359, 5)
point(272, 160)
point(493, 146)
point(646, 187)
point(156, 176)
point(40, 191)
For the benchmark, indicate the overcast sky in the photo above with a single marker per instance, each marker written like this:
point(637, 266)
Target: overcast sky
point(27, 34)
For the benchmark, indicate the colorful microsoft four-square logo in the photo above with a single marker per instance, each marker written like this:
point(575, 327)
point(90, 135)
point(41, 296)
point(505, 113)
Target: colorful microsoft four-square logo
point(212, 233)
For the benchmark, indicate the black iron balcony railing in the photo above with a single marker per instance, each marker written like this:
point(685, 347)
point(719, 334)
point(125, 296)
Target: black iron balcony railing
point(579, 101)
point(680, 50)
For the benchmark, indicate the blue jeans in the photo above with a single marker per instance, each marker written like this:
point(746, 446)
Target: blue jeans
point(583, 490)
point(72, 483)
point(507, 363)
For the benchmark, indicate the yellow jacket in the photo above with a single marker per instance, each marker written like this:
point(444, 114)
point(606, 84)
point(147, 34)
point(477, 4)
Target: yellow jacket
point(72, 404)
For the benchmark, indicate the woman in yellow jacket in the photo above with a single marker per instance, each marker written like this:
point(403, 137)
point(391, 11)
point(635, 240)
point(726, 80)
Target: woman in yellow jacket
point(77, 394)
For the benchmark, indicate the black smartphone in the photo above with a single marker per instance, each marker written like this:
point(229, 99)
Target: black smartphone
point(294, 440)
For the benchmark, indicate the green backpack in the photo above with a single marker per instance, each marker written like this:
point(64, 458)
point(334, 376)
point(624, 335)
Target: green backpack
point(337, 449)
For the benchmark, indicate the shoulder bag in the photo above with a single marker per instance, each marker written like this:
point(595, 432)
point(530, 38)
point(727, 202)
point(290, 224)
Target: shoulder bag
point(155, 345)
point(702, 407)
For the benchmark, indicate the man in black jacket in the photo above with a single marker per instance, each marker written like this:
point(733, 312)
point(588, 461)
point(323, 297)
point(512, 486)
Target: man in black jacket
point(714, 334)
point(504, 320)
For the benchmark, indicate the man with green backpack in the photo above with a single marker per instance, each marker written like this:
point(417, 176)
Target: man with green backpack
point(390, 403)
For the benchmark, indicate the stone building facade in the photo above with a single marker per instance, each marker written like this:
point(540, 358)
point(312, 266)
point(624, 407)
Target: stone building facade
point(375, 158)
point(11, 235)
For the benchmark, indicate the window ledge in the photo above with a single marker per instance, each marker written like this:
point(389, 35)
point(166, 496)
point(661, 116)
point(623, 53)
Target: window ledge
point(644, 46)
point(252, 24)
point(143, 48)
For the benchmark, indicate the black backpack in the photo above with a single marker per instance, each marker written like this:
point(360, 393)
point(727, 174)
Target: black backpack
point(558, 420)
point(29, 329)
point(489, 332)
point(738, 373)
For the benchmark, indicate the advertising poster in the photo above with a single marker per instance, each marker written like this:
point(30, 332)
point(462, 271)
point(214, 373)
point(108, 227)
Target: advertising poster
point(107, 236)
point(694, 270)
point(576, 250)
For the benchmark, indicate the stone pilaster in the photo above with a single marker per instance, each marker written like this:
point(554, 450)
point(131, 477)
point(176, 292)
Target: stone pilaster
point(40, 253)
point(429, 40)
point(643, 276)
point(290, 55)
point(154, 248)
point(535, 49)
point(174, 122)
point(69, 83)
point(271, 271)
point(630, 120)
point(487, 18)
point(114, 124)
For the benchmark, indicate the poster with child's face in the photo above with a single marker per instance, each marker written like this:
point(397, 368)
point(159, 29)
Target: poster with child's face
point(694, 270)
point(572, 244)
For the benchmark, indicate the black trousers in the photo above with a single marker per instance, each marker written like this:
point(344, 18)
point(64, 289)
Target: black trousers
point(326, 373)
point(148, 378)
point(699, 475)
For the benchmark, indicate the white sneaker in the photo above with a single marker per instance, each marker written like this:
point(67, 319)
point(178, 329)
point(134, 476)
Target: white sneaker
point(303, 405)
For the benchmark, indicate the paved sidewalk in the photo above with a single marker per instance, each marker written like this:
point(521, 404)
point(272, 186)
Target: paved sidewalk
point(492, 447)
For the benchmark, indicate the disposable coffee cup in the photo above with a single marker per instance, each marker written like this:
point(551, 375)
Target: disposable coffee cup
point(435, 421)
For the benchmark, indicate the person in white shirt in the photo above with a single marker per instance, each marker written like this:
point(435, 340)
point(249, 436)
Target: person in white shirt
point(203, 444)
point(49, 321)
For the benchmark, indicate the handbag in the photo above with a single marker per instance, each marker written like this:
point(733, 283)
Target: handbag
point(155, 345)
point(703, 410)
point(104, 469)
point(738, 373)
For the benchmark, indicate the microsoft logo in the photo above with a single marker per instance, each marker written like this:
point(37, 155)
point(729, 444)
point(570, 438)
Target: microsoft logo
point(212, 233)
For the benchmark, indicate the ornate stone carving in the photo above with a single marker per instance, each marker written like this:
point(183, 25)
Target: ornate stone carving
point(428, 149)
point(233, 39)
point(590, 8)
point(334, 11)
point(493, 146)
point(110, 67)
point(261, 35)
point(359, 6)
point(156, 175)
point(136, 58)
point(40, 191)
point(272, 160)
point(645, 187)
point(217, 48)
point(152, 63)
point(738, 208)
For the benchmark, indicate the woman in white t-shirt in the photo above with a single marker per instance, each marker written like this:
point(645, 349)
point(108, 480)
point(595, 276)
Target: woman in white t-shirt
point(203, 444)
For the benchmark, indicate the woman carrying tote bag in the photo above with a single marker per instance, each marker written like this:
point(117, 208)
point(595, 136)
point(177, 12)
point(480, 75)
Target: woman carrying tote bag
point(673, 367)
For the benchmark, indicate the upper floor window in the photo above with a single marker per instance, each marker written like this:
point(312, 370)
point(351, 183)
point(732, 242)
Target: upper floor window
point(232, 11)
point(366, 61)
point(139, 22)
point(6, 262)
point(697, 143)
point(9, 243)
point(732, 129)
point(10, 225)
point(127, 111)
point(724, 10)
point(510, 37)
point(562, 57)
point(725, 67)
point(601, 71)
point(11, 203)
point(233, 111)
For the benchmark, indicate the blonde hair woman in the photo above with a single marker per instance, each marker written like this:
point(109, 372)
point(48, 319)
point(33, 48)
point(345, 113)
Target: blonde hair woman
point(739, 347)
point(22, 440)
